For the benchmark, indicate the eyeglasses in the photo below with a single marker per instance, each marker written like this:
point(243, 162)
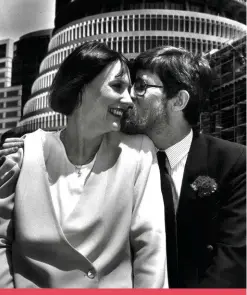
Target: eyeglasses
point(140, 87)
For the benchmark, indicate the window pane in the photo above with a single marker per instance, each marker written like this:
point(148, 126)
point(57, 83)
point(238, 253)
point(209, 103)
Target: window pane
point(164, 23)
point(170, 23)
point(175, 24)
point(136, 23)
point(159, 22)
point(142, 25)
point(136, 45)
point(153, 23)
point(131, 45)
point(148, 22)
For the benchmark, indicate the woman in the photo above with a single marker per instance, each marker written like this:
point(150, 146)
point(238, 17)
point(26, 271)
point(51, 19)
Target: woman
point(82, 207)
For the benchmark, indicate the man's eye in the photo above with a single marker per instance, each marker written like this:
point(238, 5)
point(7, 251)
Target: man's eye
point(140, 85)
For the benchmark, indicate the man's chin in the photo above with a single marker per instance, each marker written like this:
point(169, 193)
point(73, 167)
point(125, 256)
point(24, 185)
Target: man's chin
point(131, 127)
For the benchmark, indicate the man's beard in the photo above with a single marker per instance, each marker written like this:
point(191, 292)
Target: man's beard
point(152, 120)
point(131, 123)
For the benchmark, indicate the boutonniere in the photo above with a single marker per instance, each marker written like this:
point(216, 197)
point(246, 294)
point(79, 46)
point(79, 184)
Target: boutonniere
point(204, 185)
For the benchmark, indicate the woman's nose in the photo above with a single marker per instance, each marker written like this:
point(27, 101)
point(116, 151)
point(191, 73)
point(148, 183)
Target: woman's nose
point(126, 99)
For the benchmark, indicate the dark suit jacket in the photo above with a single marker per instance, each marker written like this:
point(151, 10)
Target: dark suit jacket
point(206, 241)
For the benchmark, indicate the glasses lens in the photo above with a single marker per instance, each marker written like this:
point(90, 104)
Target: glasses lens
point(140, 87)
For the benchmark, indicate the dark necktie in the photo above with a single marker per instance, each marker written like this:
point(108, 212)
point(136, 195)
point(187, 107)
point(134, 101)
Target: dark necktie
point(168, 191)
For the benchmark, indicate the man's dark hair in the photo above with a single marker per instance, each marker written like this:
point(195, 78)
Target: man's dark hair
point(178, 70)
point(78, 70)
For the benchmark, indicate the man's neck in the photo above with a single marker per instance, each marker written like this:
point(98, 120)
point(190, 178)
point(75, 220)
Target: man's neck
point(169, 136)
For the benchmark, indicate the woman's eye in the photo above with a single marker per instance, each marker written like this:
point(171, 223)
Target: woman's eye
point(117, 86)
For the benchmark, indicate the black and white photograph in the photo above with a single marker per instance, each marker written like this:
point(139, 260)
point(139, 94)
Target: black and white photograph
point(123, 144)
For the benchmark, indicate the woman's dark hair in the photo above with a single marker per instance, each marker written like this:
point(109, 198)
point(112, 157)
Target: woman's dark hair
point(78, 70)
point(179, 69)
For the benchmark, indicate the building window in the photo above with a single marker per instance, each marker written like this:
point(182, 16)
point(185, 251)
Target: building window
point(153, 23)
point(170, 23)
point(159, 22)
point(1, 94)
point(2, 85)
point(136, 21)
point(142, 23)
point(217, 28)
point(11, 114)
point(175, 23)
point(2, 75)
point(148, 22)
point(198, 25)
point(182, 42)
point(10, 104)
point(12, 93)
point(115, 24)
point(125, 44)
point(104, 26)
point(142, 44)
point(131, 45)
point(114, 44)
point(109, 25)
point(125, 24)
point(131, 23)
point(148, 43)
point(10, 124)
point(2, 65)
point(120, 24)
point(120, 48)
point(187, 24)
point(164, 22)
point(2, 50)
point(136, 42)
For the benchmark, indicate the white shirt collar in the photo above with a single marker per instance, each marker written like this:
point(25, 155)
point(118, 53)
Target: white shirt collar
point(179, 150)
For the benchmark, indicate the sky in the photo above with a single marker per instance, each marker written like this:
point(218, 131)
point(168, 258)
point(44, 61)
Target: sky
point(19, 17)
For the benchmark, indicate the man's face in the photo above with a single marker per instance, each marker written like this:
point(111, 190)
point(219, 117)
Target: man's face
point(149, 112)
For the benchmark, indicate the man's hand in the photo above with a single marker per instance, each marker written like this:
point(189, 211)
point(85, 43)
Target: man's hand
point(11, 145)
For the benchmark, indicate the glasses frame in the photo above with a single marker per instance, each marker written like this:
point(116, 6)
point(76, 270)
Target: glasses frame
point(146, 87)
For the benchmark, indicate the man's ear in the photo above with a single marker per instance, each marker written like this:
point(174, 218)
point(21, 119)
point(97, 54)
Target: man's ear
point(180, 100)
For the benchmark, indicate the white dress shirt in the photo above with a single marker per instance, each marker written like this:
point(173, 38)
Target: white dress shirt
point(177, 157)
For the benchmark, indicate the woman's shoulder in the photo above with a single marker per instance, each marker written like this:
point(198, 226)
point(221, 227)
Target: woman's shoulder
point(44, 141)
point(40, 136)
point(138, 142)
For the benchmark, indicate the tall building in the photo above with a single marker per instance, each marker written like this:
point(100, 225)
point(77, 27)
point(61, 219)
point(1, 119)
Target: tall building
point(29, 51)
point(10, 96)
point(130, 27)
point(225, 116)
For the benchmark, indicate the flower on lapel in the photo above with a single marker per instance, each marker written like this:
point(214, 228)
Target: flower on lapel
point(204, 185)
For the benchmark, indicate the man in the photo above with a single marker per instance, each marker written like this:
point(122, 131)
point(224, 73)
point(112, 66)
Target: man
point(205, 197)
point(205, 212)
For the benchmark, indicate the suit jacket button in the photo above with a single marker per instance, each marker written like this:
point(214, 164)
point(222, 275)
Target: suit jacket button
point(210, 248)
point(91, 274)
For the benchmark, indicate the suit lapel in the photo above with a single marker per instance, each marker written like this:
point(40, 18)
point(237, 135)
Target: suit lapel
point(196, 164)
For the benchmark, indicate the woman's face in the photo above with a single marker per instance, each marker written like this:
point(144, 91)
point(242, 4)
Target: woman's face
point(105, 99)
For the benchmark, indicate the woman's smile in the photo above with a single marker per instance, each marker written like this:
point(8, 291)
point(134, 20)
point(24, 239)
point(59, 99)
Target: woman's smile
point(117, 112)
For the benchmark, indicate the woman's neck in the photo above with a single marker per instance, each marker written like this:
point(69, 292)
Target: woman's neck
point(81, 146)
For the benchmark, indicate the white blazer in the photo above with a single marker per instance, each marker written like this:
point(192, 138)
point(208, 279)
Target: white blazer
point(129, 242)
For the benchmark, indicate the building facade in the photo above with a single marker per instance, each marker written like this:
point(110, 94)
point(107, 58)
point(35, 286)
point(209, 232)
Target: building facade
point(129, 27)
point(10, 96)
point(29, 51)
point(225, 116)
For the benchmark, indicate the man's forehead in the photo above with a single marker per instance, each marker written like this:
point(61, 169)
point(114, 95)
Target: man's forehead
point(147, 75)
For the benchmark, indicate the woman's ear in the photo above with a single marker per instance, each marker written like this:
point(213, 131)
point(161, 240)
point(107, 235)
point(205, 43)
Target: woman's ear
point(180, 100)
